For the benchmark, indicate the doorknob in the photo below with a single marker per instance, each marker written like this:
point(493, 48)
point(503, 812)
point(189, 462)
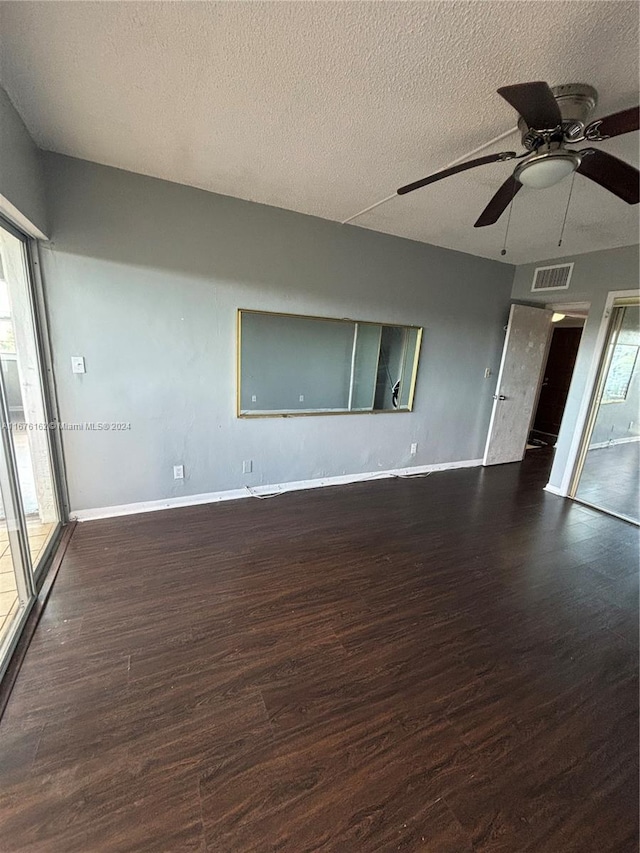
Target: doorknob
point(499, 397)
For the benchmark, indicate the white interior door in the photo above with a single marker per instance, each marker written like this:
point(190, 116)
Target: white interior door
point(523, 357)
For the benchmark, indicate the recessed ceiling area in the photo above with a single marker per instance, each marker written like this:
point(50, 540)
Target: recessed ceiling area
point(327, 108)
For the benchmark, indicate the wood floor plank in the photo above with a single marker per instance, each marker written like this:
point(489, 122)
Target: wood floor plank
point(444, 664)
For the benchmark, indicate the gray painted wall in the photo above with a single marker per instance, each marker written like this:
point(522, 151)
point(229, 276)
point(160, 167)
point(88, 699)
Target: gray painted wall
point(21, 181)
point(143, 278)
point(594, 275)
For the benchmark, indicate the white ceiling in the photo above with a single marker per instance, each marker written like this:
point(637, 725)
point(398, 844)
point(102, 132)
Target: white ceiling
point(325, 108)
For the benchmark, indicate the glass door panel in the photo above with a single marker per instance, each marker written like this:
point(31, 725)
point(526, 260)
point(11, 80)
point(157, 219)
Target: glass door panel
point(609, 475)
point(16, 582)
point(21, 377)
point(9, 596)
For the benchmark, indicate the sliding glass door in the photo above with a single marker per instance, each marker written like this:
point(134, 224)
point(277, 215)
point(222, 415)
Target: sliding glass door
point(16, 579)
point(30, 511)
point(608, 472)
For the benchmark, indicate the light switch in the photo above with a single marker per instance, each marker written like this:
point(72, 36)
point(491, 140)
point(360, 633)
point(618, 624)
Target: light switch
point(77, 364)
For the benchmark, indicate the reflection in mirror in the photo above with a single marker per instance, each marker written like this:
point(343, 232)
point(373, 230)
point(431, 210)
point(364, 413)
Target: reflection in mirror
point(609, 474)
point(292, 365)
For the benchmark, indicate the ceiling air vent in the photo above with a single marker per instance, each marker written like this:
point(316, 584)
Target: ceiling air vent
point(552, 278)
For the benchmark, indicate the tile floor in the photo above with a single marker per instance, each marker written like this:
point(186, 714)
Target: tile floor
point(39, 534)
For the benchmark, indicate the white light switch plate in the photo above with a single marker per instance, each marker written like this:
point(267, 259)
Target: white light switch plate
point(77, 364)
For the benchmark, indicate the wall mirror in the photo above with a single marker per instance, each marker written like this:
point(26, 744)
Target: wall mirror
point(296, 365)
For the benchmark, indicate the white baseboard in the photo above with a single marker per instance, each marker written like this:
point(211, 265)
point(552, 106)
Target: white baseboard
point(262, 491)
point(554, 490)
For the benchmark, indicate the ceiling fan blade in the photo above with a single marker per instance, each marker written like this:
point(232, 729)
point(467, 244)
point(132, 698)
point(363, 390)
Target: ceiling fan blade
point(535, 103)
point(499, 203)
point(461, 167)
point(626, 121)
point(615, 175)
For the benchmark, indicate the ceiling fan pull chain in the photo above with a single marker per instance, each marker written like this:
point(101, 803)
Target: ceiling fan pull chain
point(506, 233)
point(564, 221)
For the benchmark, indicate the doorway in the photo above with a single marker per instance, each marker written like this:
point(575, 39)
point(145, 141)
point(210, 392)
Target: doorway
point(567, 328)
point(523, 356)
point(523, 369)
point(30, 514)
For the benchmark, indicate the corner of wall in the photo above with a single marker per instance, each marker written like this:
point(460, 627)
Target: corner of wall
point(22, 196)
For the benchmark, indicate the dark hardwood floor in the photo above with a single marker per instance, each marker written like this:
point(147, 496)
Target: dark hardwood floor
point(610, 479)
point(441, 664)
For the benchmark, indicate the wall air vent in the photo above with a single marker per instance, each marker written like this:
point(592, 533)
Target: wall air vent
point(552, 278)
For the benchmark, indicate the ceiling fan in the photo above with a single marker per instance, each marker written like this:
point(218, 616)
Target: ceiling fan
point(549, 120)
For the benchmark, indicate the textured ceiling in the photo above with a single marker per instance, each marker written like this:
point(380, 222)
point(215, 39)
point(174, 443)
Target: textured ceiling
point(325, 108)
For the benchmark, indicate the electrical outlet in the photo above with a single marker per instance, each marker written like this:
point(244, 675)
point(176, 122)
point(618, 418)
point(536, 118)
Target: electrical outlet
point(301, 398)
point(254, 399)
point(178, 472)
point(247, 466)
point(487, 372)
point(77, 364)
point(414, 448)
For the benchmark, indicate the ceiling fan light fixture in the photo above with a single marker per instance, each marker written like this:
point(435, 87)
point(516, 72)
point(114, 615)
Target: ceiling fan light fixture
point(548, 168)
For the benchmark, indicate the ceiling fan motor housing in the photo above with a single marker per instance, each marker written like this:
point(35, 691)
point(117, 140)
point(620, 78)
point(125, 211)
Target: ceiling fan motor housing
point(576, 102)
